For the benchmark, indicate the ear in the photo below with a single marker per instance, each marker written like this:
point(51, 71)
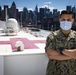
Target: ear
point(59, 19)
point(73, 20)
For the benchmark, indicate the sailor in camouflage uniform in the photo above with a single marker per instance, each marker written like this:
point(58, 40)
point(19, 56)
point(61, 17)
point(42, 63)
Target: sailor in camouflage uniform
point(61, 48)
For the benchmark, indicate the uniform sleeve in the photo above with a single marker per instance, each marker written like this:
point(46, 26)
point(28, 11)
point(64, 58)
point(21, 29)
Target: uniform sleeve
point(50, 44)
point(75, 40)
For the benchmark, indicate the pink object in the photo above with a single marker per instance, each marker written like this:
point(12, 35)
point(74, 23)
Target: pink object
point(28, 44)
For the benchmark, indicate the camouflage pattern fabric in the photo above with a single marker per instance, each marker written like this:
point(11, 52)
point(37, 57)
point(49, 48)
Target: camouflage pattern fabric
point(62, 67)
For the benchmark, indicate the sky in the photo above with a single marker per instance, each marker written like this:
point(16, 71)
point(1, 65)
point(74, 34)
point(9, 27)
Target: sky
point(30, 4)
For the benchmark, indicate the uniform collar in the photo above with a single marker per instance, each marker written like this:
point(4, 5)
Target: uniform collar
point(71, 34)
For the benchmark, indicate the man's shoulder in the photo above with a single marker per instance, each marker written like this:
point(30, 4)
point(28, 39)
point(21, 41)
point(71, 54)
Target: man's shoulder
point(54, 33)
point(73, 32)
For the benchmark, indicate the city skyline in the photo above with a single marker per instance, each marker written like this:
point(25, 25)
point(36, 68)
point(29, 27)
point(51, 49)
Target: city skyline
point(30, 4)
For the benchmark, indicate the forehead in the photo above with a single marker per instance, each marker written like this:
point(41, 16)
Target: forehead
point(66, 16)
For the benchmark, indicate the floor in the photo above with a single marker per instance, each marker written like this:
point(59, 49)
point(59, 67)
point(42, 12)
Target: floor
point(7, 43)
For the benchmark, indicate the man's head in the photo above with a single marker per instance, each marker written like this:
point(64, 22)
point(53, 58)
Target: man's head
point(66, 20)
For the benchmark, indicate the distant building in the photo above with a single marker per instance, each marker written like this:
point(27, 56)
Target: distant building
point(42, 17)
point(55, 11)
point(55, 16)
point(41, 11)
point(6, 11)
point(74, 11)
point(30, 16)
point(69, 8)
point(0, 13)
point(25, 16)
point(13, 11)
point(36, 13)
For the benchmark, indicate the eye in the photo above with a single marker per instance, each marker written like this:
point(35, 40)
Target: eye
point(63, 20)
point(68, 19)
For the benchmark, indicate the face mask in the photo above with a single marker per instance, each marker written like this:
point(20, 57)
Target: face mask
point(65, 25)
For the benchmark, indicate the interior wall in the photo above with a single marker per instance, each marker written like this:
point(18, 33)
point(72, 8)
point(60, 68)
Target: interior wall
point(27, 64)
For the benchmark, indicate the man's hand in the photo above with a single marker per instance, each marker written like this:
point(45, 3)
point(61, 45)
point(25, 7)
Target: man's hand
point(61, 50)
point(56, 55)
point(71, 53)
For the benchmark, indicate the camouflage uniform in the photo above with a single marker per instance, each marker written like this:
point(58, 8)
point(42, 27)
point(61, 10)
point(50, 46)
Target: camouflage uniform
point(62, 67)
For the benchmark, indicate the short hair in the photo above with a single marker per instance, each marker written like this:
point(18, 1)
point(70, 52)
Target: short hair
point(66, 12)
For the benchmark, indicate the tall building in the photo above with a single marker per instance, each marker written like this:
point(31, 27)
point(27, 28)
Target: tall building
point(69, 8)
point(36, 12)
point(41, 10)
point(54, 11)
point(55, 16)
point(46, 12)
point(0, 12)
point(25, 16)
point(17, 16)
point(13, 11)
point(30, 13)
point(74, 12)
point(6, 11)
point(74, 9)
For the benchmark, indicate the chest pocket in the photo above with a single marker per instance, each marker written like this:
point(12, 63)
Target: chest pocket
point(60, 43)
point(72, 43)
point(64, 43)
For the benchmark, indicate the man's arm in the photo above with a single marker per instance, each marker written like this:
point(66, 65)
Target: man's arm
point(70, 53)
point(55, 55)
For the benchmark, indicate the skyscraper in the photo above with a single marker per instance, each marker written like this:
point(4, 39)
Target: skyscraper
point(13, 10)
point(69, 8)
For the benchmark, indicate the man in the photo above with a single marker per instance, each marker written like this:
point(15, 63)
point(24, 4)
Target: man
point(61, 47)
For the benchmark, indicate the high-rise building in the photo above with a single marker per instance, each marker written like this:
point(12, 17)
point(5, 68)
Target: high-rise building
point(0, 12)
point(6, 11)
point(46, 12)
point(25, 16)
point(30, 16)
point(69, 8)
point(54, 11)
point(74, 12)
point(41, 10)
point(13, 11)
point(36, 12)
point(74, 9)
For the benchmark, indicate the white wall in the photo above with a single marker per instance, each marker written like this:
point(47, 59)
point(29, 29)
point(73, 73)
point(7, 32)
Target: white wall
point(1, 65)
point(26, 64)
point(2, 25)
